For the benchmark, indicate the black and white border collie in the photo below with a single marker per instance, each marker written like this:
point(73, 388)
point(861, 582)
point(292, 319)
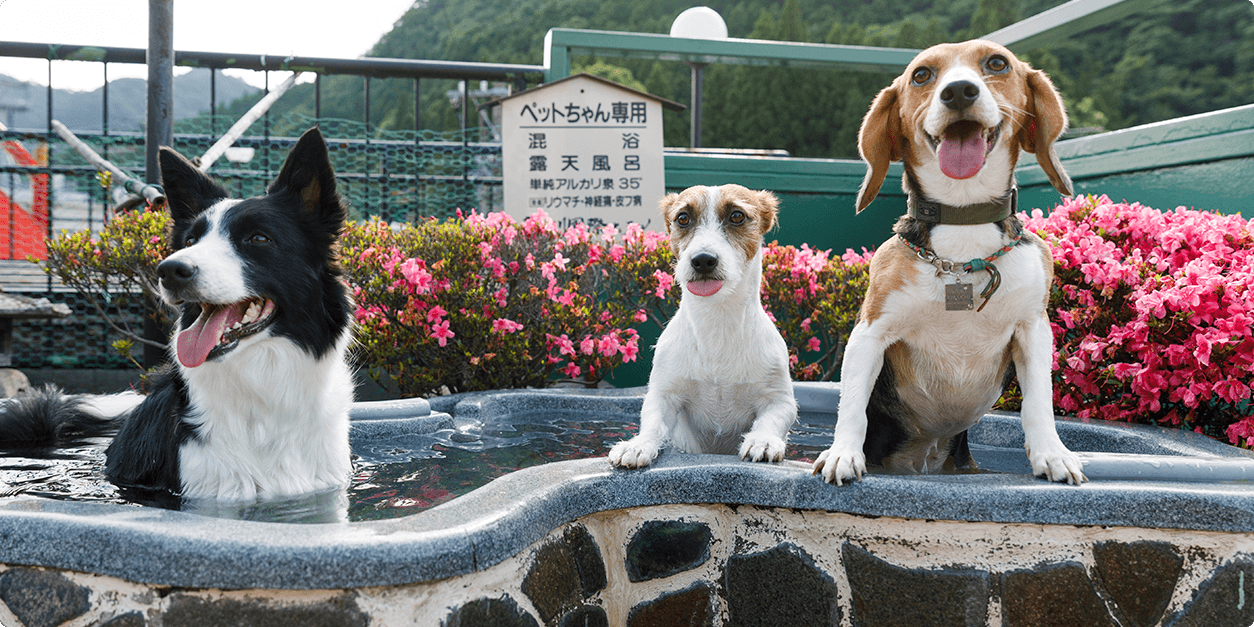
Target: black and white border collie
point(257, 403)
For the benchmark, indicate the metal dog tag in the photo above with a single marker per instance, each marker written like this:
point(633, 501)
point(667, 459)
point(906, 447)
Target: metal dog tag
point(959, 297)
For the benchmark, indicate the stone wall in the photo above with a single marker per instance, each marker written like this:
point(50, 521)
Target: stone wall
point(676, 565)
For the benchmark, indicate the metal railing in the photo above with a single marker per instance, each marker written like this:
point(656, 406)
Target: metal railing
point(46, 187)
point(394, 175)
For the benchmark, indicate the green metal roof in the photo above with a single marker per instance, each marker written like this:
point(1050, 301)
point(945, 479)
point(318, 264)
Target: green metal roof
point(561, 43)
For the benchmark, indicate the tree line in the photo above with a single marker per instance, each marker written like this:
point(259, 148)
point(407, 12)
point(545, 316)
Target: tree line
point(1174, 58)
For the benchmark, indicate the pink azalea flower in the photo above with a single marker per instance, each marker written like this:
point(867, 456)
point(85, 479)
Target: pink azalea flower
point(609, 345)
point(565, 346)
point(664, 282)
point(505, 325)
point(630, 350)
point(415, 272)
point(441, 332)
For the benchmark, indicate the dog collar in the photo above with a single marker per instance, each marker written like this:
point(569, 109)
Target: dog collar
point(934, 212)
point(945, 266)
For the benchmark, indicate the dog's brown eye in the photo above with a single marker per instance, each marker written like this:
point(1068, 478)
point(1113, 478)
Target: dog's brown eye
point(921, 75)
point(997, 63)
point(683, 218)
point(736, 217)
point(189, 241)
point(259, 239)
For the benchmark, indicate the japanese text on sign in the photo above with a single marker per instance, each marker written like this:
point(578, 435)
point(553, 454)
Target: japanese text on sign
point(584, 150)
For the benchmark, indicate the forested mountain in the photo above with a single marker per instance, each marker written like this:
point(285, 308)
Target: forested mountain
point(1178, 57)
point(81, 110)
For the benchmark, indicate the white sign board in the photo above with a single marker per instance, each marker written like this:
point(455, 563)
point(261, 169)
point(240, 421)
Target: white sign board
point(585, 151)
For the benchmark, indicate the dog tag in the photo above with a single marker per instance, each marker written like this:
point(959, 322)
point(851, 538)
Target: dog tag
point(959, 297)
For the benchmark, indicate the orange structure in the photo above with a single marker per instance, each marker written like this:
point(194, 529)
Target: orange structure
point(23, 229)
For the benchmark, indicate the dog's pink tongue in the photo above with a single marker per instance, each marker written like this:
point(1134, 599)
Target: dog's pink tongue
point(193, 345)
point(962, 157)
point(705, 288)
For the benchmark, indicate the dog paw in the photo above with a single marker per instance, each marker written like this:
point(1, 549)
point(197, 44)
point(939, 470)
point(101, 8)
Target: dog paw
point(633, 453)
point(1057, 464)
point(839, 464)
point(762, 448)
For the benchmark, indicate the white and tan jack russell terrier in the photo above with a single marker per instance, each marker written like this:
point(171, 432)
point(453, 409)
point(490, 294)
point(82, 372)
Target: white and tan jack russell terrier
point(720, 380)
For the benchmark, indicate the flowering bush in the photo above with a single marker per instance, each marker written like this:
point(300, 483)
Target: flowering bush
point(114, 266)
point(814, 301)
point(483, 302)
point(1152, 315)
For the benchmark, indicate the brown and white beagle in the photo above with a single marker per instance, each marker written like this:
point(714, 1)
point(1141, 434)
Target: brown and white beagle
point(957, 301)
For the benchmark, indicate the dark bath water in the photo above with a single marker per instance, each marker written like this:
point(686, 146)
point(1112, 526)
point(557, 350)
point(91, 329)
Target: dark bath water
point(392, 477)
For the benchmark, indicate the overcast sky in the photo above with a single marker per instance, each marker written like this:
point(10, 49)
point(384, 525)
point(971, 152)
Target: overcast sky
point(311, 28)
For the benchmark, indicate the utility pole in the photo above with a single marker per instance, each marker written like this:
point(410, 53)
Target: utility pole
point(159, 131)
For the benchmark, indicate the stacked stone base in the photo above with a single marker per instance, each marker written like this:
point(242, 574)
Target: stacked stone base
point(723, 565)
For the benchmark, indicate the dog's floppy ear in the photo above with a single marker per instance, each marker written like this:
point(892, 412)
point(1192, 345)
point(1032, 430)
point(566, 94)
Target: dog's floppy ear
point(665, 208)
point(188, 191)
point(769, 204)
point(307, 173)
point(1047, 120)
point(879, 142)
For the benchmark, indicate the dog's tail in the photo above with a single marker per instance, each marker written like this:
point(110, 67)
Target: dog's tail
point(47, 417)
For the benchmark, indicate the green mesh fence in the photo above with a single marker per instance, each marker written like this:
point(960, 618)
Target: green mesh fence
point(80, 341)
point(393, 175)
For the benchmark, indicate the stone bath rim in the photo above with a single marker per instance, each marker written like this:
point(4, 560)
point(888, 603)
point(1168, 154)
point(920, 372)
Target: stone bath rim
point(497, 521)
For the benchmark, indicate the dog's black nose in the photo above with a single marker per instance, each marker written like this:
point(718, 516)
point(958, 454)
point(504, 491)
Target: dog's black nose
point(704, 263)
point(175, 274)
point(959, 95)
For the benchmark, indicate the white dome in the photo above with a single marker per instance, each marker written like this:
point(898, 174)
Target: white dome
point(699, 23)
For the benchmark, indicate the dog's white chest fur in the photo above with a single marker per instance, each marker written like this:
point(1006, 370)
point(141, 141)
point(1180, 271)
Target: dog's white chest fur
point(958, 358)
point(272, 420)
point(720, 346)
point(721, 367)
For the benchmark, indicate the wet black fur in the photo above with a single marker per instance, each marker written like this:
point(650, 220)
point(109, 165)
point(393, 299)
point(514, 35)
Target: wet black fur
point(44, 416)
point(145, 452)
point(303, 215)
